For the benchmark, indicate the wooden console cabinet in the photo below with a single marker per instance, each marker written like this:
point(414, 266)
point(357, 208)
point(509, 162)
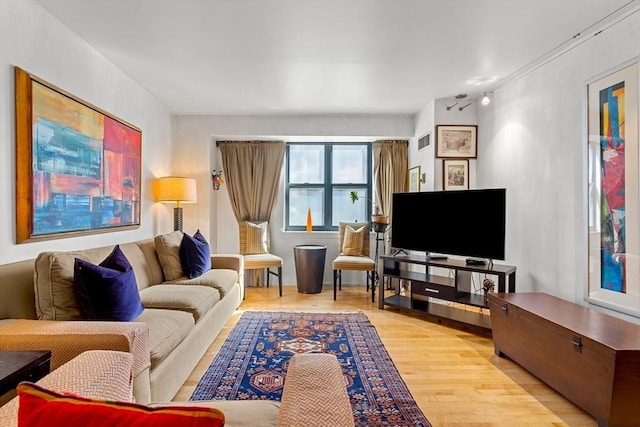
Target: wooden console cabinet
point(591, 358)
point(455, 287)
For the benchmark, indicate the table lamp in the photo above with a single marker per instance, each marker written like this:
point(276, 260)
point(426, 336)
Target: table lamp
point(176, 189)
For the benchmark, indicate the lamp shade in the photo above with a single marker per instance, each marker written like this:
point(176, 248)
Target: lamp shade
point(176, 189)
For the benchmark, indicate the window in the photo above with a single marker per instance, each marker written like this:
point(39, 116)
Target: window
point(321, 177)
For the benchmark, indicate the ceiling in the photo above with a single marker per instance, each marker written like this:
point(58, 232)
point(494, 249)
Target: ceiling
point(272, 57)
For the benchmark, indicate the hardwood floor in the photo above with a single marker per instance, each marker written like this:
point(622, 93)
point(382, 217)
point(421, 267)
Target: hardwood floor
point(452, 374)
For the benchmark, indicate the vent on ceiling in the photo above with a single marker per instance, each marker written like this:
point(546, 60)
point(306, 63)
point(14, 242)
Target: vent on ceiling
point(424, 141)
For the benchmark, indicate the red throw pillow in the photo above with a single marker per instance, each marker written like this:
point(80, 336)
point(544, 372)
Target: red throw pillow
point(40, 407)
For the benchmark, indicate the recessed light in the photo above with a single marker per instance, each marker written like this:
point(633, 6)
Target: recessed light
point(481, 80)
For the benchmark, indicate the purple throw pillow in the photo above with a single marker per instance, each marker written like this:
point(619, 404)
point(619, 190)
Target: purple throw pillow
point(195, 255)
point(107, 291)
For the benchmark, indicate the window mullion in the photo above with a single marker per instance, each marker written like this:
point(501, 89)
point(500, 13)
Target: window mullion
point(328, 186)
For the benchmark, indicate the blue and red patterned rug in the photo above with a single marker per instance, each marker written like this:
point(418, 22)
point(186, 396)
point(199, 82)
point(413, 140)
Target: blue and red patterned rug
point(253, 360)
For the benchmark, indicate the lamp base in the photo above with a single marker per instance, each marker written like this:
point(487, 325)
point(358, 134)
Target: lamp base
point(177, 219)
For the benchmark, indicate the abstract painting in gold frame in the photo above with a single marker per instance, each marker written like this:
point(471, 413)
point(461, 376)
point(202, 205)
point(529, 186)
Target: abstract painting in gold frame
point(77, 167)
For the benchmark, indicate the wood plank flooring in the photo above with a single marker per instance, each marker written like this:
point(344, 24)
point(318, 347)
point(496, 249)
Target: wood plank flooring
point(452, 374)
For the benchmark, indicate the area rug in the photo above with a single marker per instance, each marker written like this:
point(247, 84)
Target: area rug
point(252, 363)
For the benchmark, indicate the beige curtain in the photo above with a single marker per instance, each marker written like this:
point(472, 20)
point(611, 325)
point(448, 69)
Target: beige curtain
point(390, 171)
point(390, 175)
point(252, 170)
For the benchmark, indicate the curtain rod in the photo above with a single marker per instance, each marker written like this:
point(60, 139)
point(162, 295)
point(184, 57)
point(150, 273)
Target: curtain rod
point(393, 141)
point(248, 142)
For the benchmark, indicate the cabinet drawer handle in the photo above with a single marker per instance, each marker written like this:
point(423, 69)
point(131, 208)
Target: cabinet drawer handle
point(433, 291)
point(577, 343)
point(505, 308)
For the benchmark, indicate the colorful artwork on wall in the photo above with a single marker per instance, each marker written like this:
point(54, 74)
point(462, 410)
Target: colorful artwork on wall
point(614, 190)
point(78, 168)
point(612, 178)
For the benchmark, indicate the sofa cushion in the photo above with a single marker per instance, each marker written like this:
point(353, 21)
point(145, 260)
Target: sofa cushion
point(192, 299)
point(168, 248)
point(41, 407)
point(195, 255)
point(53, 282)
point(143, 257)
point(221, 279)
point(107, 291)
point(167, 329)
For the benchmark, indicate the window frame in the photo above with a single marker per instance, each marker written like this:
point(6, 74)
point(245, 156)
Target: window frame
point(328, 185)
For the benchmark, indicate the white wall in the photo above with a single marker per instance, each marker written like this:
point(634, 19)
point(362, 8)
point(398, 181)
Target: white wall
point(533, 142)
point(35, 41)
point(433, 114)
point(195, 138)
point(425, 158)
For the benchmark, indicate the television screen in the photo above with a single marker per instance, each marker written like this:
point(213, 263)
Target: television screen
point(468, 223)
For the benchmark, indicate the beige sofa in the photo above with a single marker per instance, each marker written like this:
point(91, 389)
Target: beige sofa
point(182, 316)
point(314, 391)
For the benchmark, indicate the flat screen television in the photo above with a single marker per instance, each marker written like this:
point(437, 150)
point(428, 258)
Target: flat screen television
point(468, 223)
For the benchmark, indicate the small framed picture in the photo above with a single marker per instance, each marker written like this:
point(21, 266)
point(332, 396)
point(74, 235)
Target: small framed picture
point(459, 141)
point(455, 174)
point(414, 179)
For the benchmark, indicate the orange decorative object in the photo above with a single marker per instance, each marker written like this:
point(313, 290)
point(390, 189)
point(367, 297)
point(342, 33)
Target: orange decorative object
point(309, 221)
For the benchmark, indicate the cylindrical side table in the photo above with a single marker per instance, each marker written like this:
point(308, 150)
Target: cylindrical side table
point(309, 261)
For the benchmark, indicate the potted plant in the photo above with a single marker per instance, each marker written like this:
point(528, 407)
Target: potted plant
point(377, 216)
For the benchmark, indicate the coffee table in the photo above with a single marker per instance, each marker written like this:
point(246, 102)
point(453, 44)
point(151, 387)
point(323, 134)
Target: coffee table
point(17, 366)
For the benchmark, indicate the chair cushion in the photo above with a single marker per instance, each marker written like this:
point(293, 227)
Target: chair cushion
point(168, 249)
point(167, 329)
point(256, 238)
point(253, 262)
point(353, 241)
point(195, 255)
point(196, 300)
point(107, 291)
point(221, 279)
point(362, 263)
point(40, 407)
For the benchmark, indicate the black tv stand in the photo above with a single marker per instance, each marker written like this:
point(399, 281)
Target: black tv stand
point(426, 287)
point(399, 252)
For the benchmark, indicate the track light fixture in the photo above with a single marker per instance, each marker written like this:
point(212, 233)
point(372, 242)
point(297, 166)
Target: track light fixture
point(483, 98)
point(459, 98)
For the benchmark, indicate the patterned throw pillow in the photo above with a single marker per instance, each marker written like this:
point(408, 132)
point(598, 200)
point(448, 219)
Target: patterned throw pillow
point(256, 238)
point(107, 291)
point(40, 407)
point(195, 255)
point(353, 241)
